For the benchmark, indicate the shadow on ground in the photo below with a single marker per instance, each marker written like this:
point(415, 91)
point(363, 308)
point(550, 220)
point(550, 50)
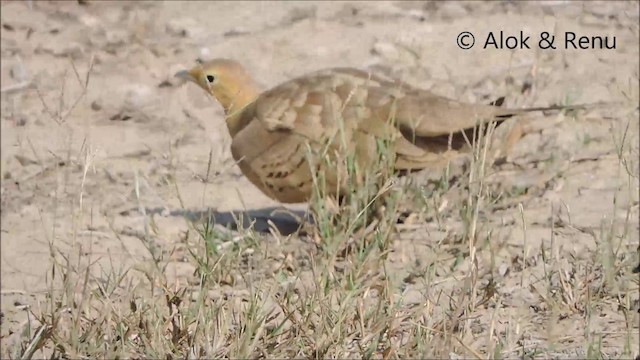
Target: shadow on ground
point(285, 220)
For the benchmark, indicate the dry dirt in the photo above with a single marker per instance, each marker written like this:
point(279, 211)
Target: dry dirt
point(99, 167)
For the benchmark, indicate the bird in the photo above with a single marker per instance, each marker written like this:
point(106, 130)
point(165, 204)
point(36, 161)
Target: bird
point(281, 135)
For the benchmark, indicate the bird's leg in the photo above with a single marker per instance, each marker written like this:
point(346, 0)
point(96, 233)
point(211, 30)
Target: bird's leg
point(307, 226)
point(328, 210)
point(341, 214)
point(376, 211)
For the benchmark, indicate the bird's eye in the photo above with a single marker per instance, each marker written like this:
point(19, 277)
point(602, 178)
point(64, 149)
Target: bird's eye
point(210, 79)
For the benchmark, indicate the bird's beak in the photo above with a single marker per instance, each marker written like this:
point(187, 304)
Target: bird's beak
point(185, 75)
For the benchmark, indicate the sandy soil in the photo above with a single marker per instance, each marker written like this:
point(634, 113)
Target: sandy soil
point(94, 167)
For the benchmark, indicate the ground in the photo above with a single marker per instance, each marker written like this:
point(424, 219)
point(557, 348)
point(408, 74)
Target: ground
point(109, 167)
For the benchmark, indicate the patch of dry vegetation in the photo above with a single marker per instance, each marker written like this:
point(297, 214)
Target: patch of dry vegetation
point(349, 293)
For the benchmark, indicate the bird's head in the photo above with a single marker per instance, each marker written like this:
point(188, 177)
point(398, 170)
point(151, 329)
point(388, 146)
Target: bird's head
point(226, 80)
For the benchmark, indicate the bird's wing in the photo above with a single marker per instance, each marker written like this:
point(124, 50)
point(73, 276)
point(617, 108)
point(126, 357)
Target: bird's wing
point(324, 114)
point(339, 112)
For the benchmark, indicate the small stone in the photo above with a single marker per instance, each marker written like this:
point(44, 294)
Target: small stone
point(417, 14)
point(117, 37)
point(387, 50)
point(89, 21)
point(138, 96)
point(301, 13)
point(25, 160)
point(19, 72)
point(184, 27)
point(503, 269)
point(205, 53)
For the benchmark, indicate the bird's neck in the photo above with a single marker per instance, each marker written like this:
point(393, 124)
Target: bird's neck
point(234, 106)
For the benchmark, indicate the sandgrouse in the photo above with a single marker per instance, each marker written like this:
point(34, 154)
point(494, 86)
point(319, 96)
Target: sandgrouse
point(279, 135)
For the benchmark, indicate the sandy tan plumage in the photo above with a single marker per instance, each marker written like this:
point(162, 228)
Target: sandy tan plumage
point(337, 111)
